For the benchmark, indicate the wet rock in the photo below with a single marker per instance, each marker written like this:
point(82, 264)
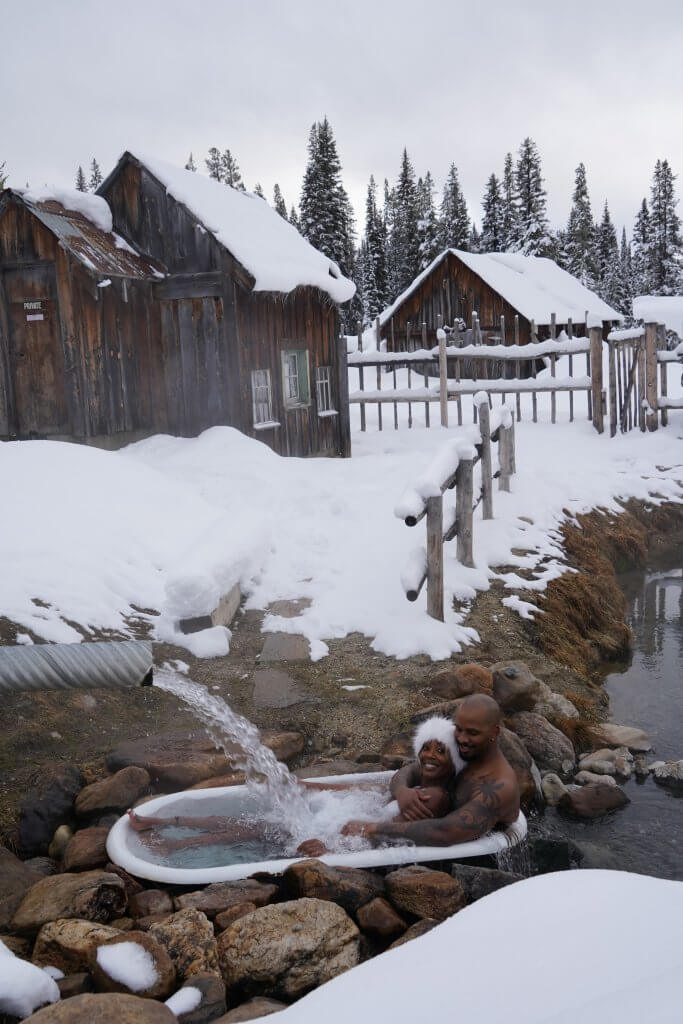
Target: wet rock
point(47, 807)
point(553, 788)
point(515, 687)
point(74, 985)
point(669, 773)
point(549, 747)
point(379, 920)
point(612, 735)
point(142, 948)
point(478, 882)
point(68, 944)
point(212, 1002)
point(585, 778)
point(593, 800)
point(104, 1009)
point(640, 767)
point(43, 866)
point(86, 849)
point(461, 680)
point(226, 917)
point(150, 901)
point(253, 1009)
point(334, 767)
point(189, 940)
point(551, 704)
point(623, 763)
point(349, 887)
point(548, 855)
point(592, 856)
point(222, 895)
point(15, 879)
point(519, 759)
point(116, 793)
point(415, 931)
point(600, 762)
point(89, 895)
point(424, 892)
point(63, 834)
point(287, 949)
point(221, 781)
point(285, 745)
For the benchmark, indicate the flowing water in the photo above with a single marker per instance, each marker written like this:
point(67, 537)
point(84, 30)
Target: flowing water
point(647, 835)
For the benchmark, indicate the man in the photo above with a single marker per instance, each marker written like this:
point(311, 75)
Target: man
point(486, 792)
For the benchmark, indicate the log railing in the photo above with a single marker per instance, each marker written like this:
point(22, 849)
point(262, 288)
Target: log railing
point(637, 392)
point(454, 468)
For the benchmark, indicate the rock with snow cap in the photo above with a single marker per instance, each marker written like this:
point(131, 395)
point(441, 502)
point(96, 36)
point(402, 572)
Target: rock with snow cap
point(132, 963)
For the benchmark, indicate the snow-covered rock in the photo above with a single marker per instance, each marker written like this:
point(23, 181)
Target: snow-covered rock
point(23, 986)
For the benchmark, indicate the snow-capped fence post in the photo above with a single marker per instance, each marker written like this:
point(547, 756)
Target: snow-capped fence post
point(534, 398)
point(464, 495)
point(613, 416)
point(435, 557)
point(426, 374)
point(553, 358)
point(361, 380)
point(344, 408)
point(409, 349)
point(481, 400)
point(595, 335)
point(443, 372)
point(570, 335)
point(588, 370)
point(642, 385)
point(506, 447)
point(663, 384)
point(652, 419)
point(518, 370)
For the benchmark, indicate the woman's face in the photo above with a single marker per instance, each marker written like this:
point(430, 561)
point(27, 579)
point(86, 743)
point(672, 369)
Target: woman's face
point(435, 761)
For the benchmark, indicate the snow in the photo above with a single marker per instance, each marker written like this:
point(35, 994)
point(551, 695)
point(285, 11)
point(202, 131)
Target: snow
point(23, 986)
point(535, 286)
point(628, 334)
point(94, 208)
point(185, 1000)
point(562, 345)
point(660, 309)
point(556, 948)
point(129, 964)
point(267, 246)
point(53, 972)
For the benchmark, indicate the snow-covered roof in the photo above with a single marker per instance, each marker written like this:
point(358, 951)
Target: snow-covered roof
point(535, 286)
point(272, 251)
point(660, 309)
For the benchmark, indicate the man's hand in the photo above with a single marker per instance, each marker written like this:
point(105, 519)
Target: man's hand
point(312, 848)
point(413, 804)
point(363, 829)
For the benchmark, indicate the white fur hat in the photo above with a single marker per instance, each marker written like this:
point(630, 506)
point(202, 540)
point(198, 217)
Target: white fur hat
point(441, 729)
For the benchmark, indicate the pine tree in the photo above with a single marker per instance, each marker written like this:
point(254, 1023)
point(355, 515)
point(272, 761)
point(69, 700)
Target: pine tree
point(258, 190)
point(474, 241)
point(607, 257)
point(665, 226)
point(641, 253)
point(3, 176)
point(534, 237)
point(214, 164)
point(623, 291)
point(294, 218)
point(325, 210)
point(492, 226)
point(510, 229)
point(95, 176)
point(373, 257)
point(581, 240)
point(230, 172)
point(81, 183)
point(427, 223)
point(190, 165)
point(455, 220)
point(279, 202)
point(404, 242)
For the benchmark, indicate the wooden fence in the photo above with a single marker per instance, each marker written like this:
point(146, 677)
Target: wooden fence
point(454, 468)
point(637, 391)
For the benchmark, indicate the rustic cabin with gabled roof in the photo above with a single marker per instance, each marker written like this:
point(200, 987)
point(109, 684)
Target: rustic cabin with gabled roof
point(458, 284)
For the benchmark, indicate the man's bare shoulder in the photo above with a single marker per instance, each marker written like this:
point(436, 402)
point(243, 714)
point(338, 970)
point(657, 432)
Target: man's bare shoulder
point(494, 784)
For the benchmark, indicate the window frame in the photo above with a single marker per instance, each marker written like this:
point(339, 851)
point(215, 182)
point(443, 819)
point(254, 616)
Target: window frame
point(323, 386)
point(303, 378)
point(269, 421)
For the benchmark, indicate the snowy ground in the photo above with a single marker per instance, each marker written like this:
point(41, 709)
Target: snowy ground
point(169, 524)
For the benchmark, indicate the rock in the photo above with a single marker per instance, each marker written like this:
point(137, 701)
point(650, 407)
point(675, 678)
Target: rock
point(593, 856)
point(461, 680)
point(104, 1009)
point(222, 895)
point(623, 763)
point(86, 849)
point(600, 762)
point(379, 919)
point(46, 808)
point(43, 866)
point(424, 892)
point(584, 778)
point(415, 931)
point(189, 940)
point(15, 879)
point(251, 1010)
point(226, 917)
point(221, 781)
point(551, 704)
point(548, 855)
point(334, 767)
point(446, 708)
point(74, 985)
point(287, 949)
point(514, 686)
point(112, 973)
point(593, 800)
point(640, 767)
point(549, 747)
point(117, 793)
point(143, 924)
point(131, 884)
point(150, 901)
point(285, 745)
point(612, 735)
point(398, 749)
point(669, 773)
point(212, 1004)
point(20, 947)
point(123, 924)
point(67, 944)
point(89, 895)
point(519, 759)
point(60, 841)
point(478, 882)
point(349, 887)
point(553, 788)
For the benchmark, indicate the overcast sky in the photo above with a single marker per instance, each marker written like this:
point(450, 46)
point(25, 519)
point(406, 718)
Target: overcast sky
point(593, 80)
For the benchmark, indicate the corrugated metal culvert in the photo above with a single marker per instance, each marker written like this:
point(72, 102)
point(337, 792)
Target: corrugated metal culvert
point(113, 664)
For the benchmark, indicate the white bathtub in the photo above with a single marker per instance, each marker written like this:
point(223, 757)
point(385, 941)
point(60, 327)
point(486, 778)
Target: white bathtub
point(124, 847)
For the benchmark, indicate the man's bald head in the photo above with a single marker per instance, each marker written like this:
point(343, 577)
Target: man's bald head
point(482, 705)
point(477, 726)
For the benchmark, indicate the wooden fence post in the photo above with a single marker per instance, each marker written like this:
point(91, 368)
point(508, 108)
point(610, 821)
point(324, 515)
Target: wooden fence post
point(504, 442)
point(464, 493)
point(642, 376)
point(426, 375)
point(652, 419)
point(595, 334)
point(361, 376)
point(663, 369)
point(435, 557)
point(486, 469)
point(553, 359)
point(613, 415)
point(443, 372)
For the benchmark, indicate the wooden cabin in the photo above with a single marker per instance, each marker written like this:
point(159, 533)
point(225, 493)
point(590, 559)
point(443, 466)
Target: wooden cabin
point(458, 284)
point(221, 313)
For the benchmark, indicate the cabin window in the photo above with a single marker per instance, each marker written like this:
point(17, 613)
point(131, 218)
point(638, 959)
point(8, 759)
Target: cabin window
point(262, 399)
point(323, 387)
point(295, 380)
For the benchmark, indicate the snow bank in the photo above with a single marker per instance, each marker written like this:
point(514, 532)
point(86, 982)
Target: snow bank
point(95, 208)
point(185, 1000)
point(129, 964)
point(660, 309)
point(274, 253)
point(526, 953)
point(23, 986)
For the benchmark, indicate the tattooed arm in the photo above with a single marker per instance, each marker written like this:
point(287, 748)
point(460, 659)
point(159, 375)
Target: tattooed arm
point(412, 802)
